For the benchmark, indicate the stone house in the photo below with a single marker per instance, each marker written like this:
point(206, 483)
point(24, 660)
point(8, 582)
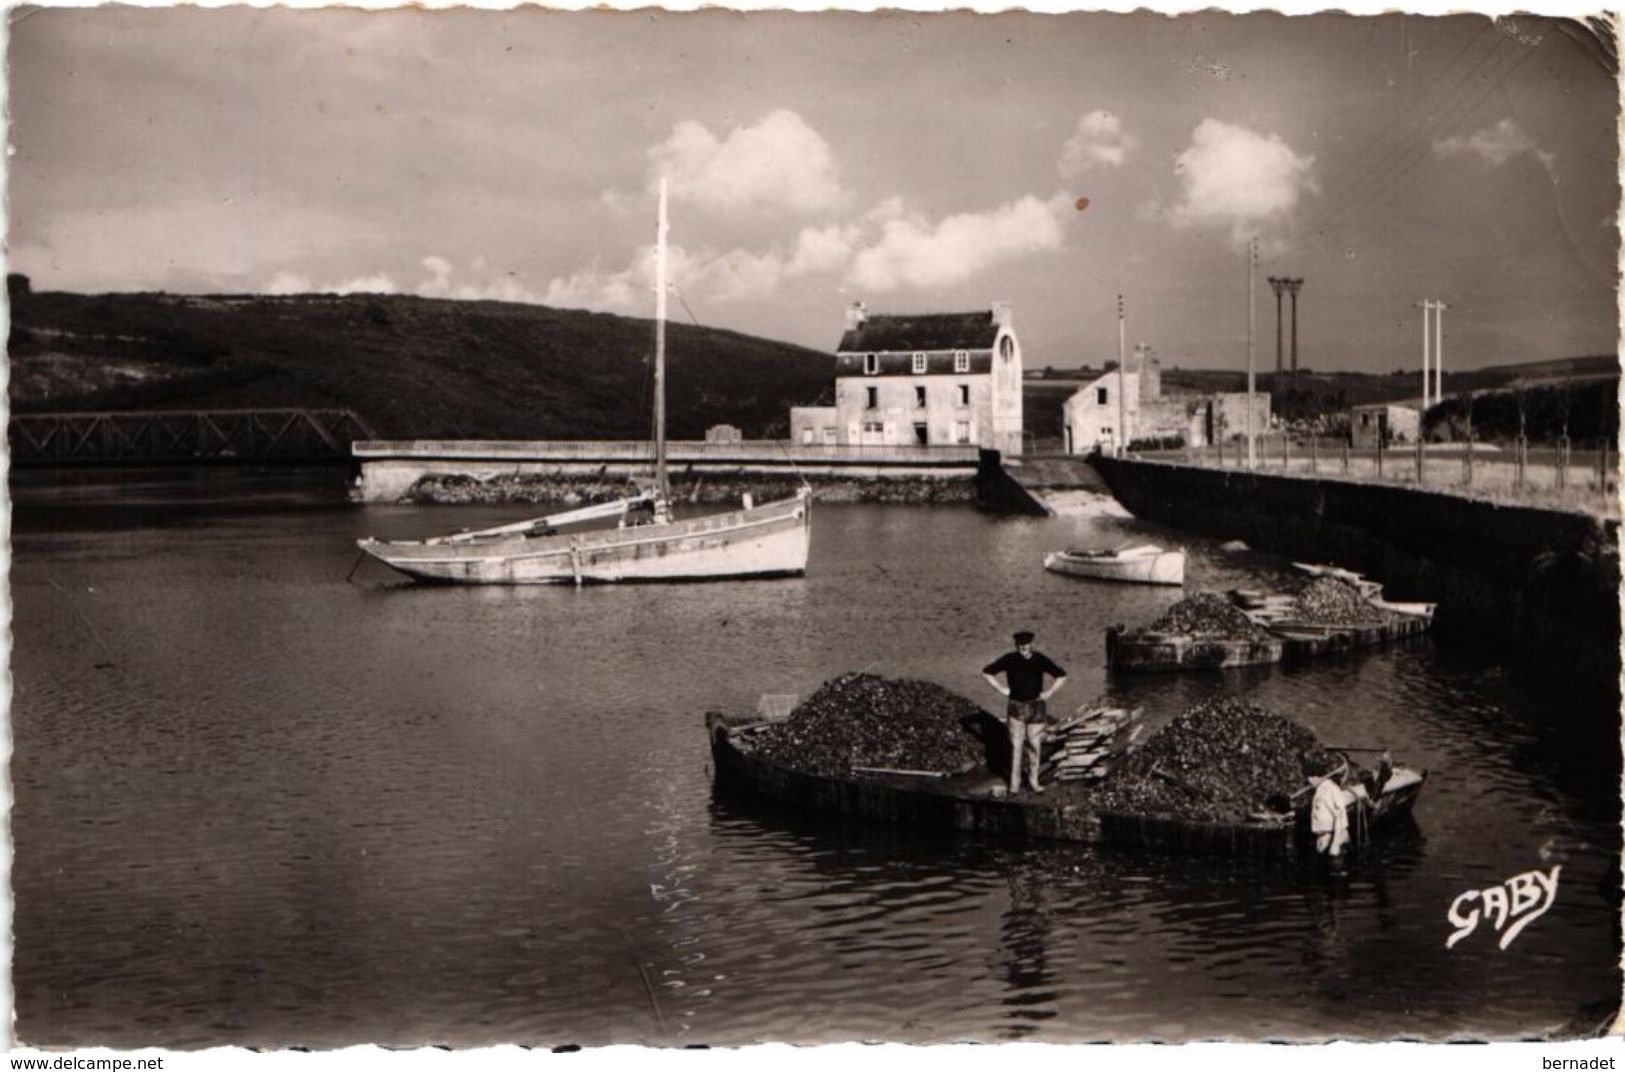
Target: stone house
point(1091, 416)
point(925, 379)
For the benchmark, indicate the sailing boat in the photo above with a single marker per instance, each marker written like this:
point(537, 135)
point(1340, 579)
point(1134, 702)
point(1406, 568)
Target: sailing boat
point(646, 543)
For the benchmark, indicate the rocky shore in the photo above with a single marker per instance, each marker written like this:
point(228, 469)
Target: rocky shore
point(563, 489)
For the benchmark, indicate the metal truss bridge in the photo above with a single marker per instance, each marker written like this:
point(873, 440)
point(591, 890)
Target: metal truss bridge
point(213, 436)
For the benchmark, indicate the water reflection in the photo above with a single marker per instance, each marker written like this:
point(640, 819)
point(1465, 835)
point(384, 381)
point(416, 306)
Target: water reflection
point(300, 810)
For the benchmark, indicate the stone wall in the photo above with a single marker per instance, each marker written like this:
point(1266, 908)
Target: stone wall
point(1539, 588)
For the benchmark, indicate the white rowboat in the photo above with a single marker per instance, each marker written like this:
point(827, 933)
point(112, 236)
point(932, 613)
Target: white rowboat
point(1140, 564)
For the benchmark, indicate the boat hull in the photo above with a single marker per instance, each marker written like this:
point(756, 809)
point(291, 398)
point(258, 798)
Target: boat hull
point(1166, 567)
point(966, 804)
point(771, 540)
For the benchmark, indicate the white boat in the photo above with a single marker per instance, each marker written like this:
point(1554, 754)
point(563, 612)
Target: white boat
point(646, 543)
point(1140, 564)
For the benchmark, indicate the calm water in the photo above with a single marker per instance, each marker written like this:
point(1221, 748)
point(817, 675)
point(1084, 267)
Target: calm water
point(258, 804)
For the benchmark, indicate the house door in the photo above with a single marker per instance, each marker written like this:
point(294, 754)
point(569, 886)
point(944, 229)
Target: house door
point(921, 435)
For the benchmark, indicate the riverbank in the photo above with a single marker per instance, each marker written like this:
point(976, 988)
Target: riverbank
point(1538, 587)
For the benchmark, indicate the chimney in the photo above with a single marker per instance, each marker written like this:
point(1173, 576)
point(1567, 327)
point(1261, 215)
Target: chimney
point(1002, 316)
point(856, 314)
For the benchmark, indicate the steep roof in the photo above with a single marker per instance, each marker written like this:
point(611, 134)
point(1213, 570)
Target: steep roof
point(930, 331)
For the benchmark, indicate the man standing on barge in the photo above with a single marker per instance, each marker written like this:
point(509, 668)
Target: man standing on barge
point(1028, 710)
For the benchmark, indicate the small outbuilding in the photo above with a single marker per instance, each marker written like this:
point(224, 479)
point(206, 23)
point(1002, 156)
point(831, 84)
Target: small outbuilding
point(1384, 422)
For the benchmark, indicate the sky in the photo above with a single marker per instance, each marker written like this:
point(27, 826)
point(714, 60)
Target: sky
point(918, 162)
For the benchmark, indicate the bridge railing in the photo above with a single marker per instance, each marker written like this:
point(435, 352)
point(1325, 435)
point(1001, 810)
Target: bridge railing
point(219, 435)
point(1546, 475)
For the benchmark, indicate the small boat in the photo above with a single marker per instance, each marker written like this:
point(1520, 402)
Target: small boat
point(1140, 564)
point(1374, 798)
point(646, 543)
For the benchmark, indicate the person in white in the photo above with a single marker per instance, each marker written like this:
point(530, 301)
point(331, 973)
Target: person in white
point(1329, 811)
point(1329, 815)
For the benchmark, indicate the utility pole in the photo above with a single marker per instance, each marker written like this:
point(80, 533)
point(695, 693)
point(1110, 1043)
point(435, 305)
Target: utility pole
point(1427, 339)
point(1252, 266)
point(1438, 351)
point(1292, 288)
point(1278, 283)
point(1122, 420)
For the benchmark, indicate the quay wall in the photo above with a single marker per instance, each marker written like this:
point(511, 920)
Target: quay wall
point(1538, 587)
point(569, 472)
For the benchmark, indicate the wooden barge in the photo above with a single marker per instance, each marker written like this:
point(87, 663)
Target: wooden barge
point(1285, 636)
point(974, 802)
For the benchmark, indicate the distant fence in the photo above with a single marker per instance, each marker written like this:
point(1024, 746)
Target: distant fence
point(1549, 476)
point(194, 436)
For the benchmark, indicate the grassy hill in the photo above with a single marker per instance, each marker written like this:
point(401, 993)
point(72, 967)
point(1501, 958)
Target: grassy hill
point(411, 367)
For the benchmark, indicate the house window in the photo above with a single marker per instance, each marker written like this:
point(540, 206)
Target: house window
point(873, 427)
point(919, 396)
point(1007, 347)
point(961, 361)
point(1100, 396)
point(919, 363)
point(964, 394)
point(871, 364)
point(873, 399)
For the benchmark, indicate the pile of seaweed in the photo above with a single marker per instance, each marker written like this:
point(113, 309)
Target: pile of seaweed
point(1330, 601)
point(865, 720)
point(1218, 761)
point(1209, 614)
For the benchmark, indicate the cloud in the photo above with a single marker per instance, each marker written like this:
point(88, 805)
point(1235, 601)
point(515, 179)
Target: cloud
point(736, 275)
point(885, 249)
point(366, 284)
point(1237, 178)
point(709, 276)
point(211, 245)
point(438, 283)
point(912, 253)
point(824, 249)
point(780, 164)
point(1099, 141)
point(287, 283)
point(594, 288)
point(1495, 145)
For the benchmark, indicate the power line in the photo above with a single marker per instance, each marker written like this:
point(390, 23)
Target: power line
point(1408, 114)
point(1448, 110)
point(1407, 161)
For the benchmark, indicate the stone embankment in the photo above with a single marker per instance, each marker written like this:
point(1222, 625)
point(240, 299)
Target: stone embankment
point(565, 489)
point(1537, 588)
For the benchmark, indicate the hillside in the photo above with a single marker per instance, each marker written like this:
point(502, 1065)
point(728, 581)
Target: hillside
point(411, 367)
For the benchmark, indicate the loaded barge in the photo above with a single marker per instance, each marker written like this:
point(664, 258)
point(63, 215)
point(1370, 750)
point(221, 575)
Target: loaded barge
point(974, 801)
point(1258, 629)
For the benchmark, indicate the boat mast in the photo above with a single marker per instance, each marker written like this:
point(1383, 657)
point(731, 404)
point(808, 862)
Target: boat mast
point(662, 491)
